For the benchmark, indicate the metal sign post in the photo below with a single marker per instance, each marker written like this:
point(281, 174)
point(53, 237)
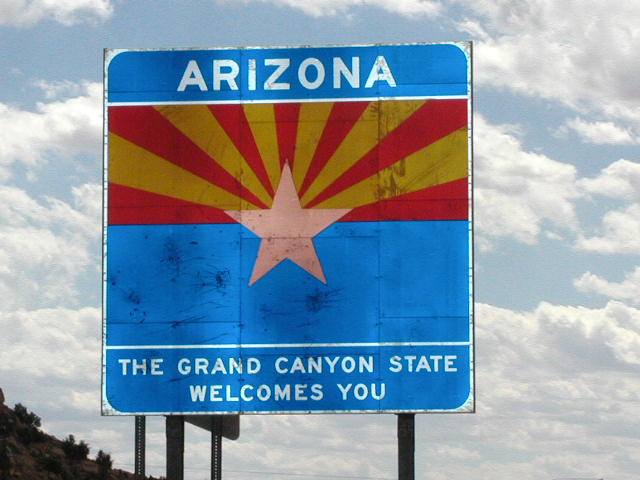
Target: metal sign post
point(216, 447)
point(175, 447)
point(140, 447)
point(406, 446)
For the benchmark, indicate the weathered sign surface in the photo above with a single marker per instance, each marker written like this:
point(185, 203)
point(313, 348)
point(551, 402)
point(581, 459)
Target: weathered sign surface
point(288, 230)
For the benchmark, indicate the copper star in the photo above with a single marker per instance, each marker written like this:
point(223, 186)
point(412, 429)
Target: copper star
point(287, 230)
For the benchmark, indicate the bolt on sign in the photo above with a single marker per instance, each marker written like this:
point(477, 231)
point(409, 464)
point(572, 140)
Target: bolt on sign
point(288, 230)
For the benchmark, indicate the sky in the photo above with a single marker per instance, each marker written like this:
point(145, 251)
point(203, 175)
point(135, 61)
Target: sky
point(557, 232)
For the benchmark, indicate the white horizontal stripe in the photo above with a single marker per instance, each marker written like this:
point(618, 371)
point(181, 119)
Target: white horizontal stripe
point(115, 413)
point(288, 345)
point(292, 100)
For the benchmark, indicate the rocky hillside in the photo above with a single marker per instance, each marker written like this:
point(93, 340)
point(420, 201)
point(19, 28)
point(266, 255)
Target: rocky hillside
point(27, 453)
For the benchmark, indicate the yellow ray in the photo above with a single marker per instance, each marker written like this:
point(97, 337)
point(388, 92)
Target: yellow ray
point(200, 125)
point(375, 123)
point(311, 123)
point(262, 120)
point(133, 166)
point(441, 162)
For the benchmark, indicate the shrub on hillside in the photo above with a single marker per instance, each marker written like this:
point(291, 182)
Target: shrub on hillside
point(29, 434)
point(76, 452)
point(104, 464)
point(25, 416)
point(28, 426)
point(54, 464)
point(7, 424)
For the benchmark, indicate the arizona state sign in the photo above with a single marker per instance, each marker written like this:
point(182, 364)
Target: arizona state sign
point(288, 230)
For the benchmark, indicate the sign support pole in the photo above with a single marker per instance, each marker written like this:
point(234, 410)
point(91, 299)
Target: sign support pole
point(406, 446)
point(216, 447)
point(175, 447)
point(140, 446)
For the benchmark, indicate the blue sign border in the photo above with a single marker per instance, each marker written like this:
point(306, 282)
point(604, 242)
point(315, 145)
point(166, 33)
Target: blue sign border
point(132, 78)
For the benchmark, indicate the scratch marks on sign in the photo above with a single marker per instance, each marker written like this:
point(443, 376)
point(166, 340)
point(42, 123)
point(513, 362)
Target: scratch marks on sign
point(321, 299)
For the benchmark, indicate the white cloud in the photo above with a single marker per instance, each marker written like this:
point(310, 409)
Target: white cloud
point(620, 229)
point(600, 132)
point(553, 345)
point(620, 180)
point(67, 12)
point(59, 343)
point(87, 199)
point(524, 195)
point(582, 54)
point(628, 289)
point(60, 89)
point(67, 127)
point(320, 8)
point(45, 247)
point(555, 379)
point(620, 233)
point(517, 191)
point(611, 333)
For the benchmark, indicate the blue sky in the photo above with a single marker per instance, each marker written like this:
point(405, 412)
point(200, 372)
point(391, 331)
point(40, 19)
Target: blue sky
point(557, 205)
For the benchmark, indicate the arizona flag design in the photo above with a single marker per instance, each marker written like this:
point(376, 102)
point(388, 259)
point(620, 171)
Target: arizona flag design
point(288, 255)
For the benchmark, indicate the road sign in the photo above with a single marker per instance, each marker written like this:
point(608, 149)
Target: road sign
point(288, 230)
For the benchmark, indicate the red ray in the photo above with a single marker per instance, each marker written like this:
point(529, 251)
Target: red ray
point(341, 120)
point(287, 127)
point(130, 206)
point(149, 129)
point(235, 124)
point(448, 201)
point(434, 120)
